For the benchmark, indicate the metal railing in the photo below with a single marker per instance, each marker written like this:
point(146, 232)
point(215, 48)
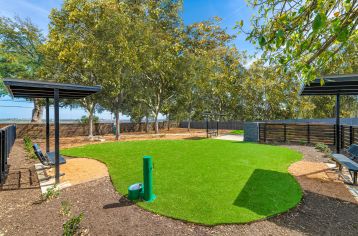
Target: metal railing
point(7, 140)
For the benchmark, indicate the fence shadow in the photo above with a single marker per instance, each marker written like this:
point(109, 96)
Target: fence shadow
point(20, 179)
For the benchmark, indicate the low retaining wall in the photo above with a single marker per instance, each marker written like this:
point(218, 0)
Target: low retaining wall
point(76, 129)
point(231, 125)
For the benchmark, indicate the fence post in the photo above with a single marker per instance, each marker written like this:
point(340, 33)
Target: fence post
point(350, 135)
point(265, 127)
point(334, 135)
point(342, 136)
point(308, 133)
point(284, 133)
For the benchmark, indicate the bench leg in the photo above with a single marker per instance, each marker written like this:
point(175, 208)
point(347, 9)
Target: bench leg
point(355, 178)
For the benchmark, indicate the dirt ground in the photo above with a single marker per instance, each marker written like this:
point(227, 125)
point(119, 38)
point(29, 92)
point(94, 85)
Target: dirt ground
point(108, 213)
point(80, 170)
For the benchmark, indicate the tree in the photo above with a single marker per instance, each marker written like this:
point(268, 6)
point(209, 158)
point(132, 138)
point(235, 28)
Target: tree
point(303, 36)
point(213, 70)
point(21, 54)
point(267, 95)
point(159, 54)
point(87, 45)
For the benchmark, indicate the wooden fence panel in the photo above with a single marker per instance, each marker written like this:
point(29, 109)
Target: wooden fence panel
point(306, 133)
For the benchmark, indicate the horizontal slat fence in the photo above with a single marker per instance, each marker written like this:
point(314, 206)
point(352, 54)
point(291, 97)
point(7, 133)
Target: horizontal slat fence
point(307, 133)
point(7, 140)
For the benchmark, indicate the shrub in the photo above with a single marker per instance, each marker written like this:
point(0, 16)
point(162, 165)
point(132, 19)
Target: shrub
point(71, 226)
point(50, 193)
point(84, 120)
point(65, 208)
point(302, 142)
point(239, 131)
point(323, 148)
point(28, 147)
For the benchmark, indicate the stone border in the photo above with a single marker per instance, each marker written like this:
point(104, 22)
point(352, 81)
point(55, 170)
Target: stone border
point(45, 181)
point(346, 177)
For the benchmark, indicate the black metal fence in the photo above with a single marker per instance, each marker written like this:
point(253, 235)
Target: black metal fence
point(7, 140)
point(231, 125)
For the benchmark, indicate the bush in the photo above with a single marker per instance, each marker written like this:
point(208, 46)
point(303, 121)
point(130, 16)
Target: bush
point(84, 120)
point(71, 226)
point(302, 142)
point(28, 147)
point(239, 131)
point(65, 208)
point(51, 193)
point(323, 148)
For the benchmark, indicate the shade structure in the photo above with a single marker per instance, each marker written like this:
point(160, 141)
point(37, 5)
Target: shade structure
point(40, 89)
point(332, 85)
point(336, 85)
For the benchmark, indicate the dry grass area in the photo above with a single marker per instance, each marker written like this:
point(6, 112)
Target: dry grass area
point(173, 133)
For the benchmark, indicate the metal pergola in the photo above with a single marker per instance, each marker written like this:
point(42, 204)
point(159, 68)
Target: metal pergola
point(39, 89)
point(336, 85)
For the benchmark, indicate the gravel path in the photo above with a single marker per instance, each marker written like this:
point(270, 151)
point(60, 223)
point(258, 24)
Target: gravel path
point(108, 213)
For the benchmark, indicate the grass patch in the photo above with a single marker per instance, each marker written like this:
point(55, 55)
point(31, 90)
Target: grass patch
point(239, 131)
point(204, 181)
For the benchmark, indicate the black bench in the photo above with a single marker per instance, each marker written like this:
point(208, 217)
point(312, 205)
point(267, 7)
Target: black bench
point(49, 158)
point(212, 133)
point(342, 160)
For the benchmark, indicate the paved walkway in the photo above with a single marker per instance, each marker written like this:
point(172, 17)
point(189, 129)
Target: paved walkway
point(233, 137)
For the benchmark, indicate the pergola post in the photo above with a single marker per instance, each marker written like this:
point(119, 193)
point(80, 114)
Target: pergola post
point(47, 125)
point(57, 135)
point(338, 133)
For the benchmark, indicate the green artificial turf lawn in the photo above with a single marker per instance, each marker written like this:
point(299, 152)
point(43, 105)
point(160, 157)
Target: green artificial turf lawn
point(239, 131)
point(204, 181)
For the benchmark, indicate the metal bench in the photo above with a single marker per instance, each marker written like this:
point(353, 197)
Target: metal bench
point(49, 158)
point(212, 133)
point(342, 160)
point(352, 151)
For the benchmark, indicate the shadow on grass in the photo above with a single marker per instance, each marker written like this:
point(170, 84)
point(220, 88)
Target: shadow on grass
point(123, 202)
point(269, 192)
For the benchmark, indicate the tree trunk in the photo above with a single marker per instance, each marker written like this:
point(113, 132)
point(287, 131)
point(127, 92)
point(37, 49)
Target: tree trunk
point(37, 112)
point(189, 123)
point(156, 123)
point(146, 124)
point(90, 123)
point(168, 122)
point(118, 128)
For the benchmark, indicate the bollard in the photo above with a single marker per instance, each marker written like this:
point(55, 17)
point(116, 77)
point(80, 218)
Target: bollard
point(148, 179)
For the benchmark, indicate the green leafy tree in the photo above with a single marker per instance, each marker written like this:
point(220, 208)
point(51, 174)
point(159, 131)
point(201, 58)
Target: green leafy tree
point(21, 54)
point(157, 78)
point(86, 46)
point(303, 36)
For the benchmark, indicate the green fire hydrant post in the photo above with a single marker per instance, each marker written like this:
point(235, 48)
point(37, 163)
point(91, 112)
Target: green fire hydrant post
point(148, 179)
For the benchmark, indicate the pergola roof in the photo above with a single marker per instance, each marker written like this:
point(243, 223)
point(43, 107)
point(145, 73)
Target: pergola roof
point(40, 89)
point(333, 85)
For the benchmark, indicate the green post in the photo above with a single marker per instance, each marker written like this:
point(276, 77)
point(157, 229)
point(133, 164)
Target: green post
point(148, 179)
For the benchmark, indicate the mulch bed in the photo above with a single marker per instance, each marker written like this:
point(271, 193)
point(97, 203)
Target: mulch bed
point(108, 213)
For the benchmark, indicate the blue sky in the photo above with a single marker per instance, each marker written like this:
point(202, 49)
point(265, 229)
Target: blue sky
point(230, 11)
